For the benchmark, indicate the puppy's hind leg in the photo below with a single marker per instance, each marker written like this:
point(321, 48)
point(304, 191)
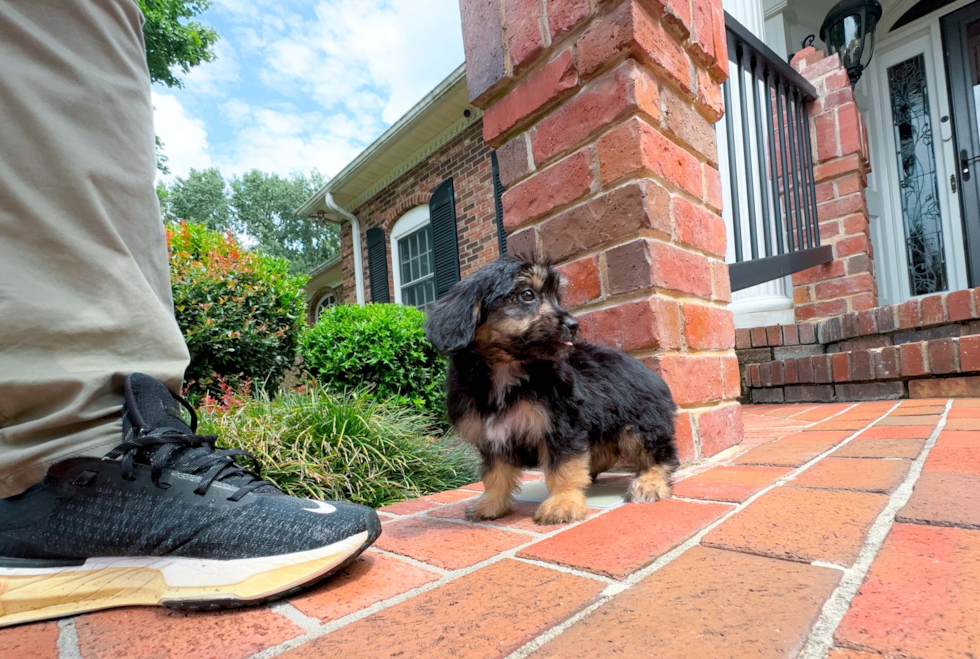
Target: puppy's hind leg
point(604, 457)
point(654, 463)
point(499, 482)
point(566, 483)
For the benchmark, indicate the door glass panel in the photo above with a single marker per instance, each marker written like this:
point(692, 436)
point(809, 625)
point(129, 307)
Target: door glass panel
point(918, 186)
point(973, 51)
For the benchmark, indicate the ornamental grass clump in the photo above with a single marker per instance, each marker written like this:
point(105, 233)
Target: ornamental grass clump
point(241, 312)
point(350, 446)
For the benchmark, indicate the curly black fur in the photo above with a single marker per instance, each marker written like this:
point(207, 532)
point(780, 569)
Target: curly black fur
point(521, 388)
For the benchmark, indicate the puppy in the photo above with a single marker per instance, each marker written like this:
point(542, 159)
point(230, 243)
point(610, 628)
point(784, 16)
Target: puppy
point(526, 393)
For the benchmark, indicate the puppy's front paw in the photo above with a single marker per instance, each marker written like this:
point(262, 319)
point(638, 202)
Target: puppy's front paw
point(561, 509)
point(486, 507)
point(649, 487)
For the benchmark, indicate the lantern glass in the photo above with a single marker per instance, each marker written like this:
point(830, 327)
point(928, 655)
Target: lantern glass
point(849, 30)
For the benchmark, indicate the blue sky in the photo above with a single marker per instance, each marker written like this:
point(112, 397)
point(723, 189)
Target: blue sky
point(303, 84)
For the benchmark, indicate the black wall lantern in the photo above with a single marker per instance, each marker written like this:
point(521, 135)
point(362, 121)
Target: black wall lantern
point(849, 29)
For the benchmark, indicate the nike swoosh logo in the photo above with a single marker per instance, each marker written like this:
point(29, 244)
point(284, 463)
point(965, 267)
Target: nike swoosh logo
point(322, 508)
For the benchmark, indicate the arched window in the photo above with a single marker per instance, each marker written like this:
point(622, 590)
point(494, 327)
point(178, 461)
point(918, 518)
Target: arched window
point(326, 301)
point(413, 259)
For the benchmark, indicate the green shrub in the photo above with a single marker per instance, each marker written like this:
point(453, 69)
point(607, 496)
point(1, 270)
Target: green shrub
point(241, 312)
point(349, 446)
point(383, 345)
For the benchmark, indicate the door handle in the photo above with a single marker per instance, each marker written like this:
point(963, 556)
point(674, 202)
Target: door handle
point(965, 162)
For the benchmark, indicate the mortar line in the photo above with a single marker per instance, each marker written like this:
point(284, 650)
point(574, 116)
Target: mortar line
point(532, 645)
point(294, 615)
point(435, 569)
point(453, 575)
point(68, 640)
point(821, 638)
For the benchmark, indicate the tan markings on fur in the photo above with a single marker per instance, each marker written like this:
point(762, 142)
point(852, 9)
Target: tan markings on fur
point(499, 484)
point(651, 484)
point(539, 276)
point(523, 421)
point(566, 491)
point(633, 452)
point(470, 429)
point(505, 374)
point(604, 457)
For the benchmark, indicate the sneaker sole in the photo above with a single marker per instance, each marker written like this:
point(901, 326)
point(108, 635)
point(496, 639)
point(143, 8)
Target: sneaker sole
point(33, 594)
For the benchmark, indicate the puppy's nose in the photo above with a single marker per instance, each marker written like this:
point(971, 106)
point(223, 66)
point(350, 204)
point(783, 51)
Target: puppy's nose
point(571, 324)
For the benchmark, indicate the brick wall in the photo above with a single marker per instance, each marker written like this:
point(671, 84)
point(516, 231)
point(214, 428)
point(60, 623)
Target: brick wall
point(465, 158)
point(841, 167)
point(602, 113)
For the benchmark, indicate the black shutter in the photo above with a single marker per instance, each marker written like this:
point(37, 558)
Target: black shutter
point(442, 214)
point(498, 191)
point(378, 265)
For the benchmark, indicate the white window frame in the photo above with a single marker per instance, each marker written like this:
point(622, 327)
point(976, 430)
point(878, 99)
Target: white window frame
point(408, 223)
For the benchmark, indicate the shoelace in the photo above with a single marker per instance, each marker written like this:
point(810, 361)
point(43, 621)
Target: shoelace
point(213, 466)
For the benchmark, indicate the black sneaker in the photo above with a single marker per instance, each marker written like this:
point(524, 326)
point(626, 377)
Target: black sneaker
point(165, 519)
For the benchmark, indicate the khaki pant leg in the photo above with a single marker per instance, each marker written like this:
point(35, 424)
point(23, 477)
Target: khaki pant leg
point(84, 282)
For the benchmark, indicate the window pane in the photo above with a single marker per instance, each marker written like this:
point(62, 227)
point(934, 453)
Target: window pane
point(918, 187)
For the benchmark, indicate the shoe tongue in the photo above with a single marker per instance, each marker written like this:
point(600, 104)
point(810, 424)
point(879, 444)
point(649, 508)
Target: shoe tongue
point(150, 405)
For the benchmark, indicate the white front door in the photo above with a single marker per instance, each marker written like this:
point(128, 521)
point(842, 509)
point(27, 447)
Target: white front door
point(918, 235)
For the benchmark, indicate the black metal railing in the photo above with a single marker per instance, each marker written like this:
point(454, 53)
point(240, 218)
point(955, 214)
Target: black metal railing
point(773, 198)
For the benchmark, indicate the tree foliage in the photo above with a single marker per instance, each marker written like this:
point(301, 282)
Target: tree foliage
point(202, 198)
point(258, 206)
point(173, 40)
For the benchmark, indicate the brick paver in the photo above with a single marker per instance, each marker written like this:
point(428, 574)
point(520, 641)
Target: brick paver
point(944, 500)
point(735, 484)
point(921, 597)
point(626, 539)
point(801, 524)
point(165, 634)
point(749, 589)
point(897, 432)
point(784, 453)
point(444, 544)
point(371, 578)
point(864, 447)
point(487, 613)
point(30, 641)
point(955, 452)
point(868, 475)
point(707, 603)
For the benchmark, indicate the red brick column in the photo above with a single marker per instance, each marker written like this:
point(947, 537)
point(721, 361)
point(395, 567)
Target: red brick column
point(841, 167)
point(602, 115)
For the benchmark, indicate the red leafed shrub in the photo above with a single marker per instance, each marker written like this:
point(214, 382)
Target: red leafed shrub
point(241, 312)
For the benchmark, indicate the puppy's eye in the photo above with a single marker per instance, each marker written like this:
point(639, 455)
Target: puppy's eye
point(527, 296)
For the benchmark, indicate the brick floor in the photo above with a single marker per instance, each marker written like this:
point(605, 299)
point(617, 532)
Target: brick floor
point(921, 597)
point(787, 510)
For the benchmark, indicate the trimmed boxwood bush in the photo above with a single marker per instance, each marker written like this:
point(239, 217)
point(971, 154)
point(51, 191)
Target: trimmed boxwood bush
point(382, 345)
point(352, 446)
point(241, 312)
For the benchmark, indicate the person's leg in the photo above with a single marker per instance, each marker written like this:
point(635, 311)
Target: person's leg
point(150, 512)
point(84, 281)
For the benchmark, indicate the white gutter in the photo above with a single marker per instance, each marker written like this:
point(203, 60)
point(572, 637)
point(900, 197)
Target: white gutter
point(356, 238)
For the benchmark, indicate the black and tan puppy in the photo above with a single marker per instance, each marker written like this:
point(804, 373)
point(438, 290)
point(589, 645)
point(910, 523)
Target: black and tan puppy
point(526, 393)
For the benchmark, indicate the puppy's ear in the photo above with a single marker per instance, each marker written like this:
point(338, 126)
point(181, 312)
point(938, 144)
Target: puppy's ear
point(453, 320)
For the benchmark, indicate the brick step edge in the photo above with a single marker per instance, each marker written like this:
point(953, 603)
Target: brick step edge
point(909, 369)
point(939, 309)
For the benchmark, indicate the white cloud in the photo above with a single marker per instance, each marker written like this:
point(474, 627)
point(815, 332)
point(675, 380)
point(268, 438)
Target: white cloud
point(185, 140)
point(215, 78)
point(399, 49)
point(297, 87)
